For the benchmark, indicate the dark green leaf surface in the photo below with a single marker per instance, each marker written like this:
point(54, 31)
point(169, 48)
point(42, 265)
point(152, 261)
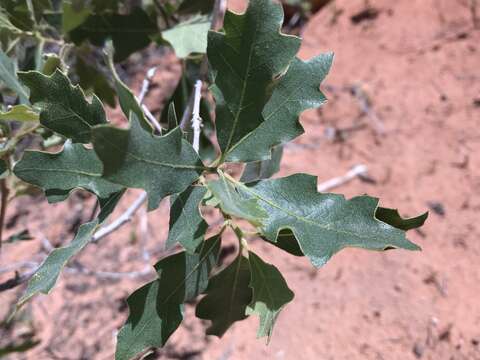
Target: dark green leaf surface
point(129, 33)
point(297, 91)
point(156, 309)
point(393, 218)
point(323, 224)
point(244, 63)
point(189, 37)
point(270, 294)
point(64, 108)
point(73, 167)
point(161, 165)
point(20, 113)
point(232, 203)
point(287, 242)
point(188, 7)
point(227, 297)
point(92, 78)
point(187, 225)
point(9, 78)
point(263, 169)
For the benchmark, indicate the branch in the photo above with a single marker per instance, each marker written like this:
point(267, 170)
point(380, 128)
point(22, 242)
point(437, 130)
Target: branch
point(187, 112)
point(121, 220)
point(152, 119)
point(196, 119)
point(80, 269)
point(3, 207)
point(218, 14)
point(146, 84)
point(356, 171)
point(17, 280)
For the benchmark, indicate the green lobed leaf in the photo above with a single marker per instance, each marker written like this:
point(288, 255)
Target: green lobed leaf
point(263, 169)
point(244, 62)
point(187, 226)
point(231, 202)
point(47, 274)
point(189, 37)
point(8, 77)
point(129, 33)
point(270, 294)
point(297, 91)
point(64, 108)
point(227, 297)
point(156, 309)
point(20, 113)
point(73, 167)
point(323, 224)
point(161, 165)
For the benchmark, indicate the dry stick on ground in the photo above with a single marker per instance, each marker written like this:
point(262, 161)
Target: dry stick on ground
point(356, 171)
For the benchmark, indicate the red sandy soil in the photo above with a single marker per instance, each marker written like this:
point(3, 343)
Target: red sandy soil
point(418, 62)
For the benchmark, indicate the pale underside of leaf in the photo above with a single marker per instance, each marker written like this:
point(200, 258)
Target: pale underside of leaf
point(323, 224)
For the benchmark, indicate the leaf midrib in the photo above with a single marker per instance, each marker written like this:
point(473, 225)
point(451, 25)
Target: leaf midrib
point(153, 162)
point(75, 172)
point(244, 88)
point(300, 218)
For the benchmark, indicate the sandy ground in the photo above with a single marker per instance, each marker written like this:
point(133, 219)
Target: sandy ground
point(418, 65)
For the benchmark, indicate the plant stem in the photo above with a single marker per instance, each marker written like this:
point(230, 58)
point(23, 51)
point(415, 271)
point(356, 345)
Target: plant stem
point(3, 206)
point(196, 119)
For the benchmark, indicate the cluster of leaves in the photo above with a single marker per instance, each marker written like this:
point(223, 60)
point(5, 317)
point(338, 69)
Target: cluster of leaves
point(260, 88)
